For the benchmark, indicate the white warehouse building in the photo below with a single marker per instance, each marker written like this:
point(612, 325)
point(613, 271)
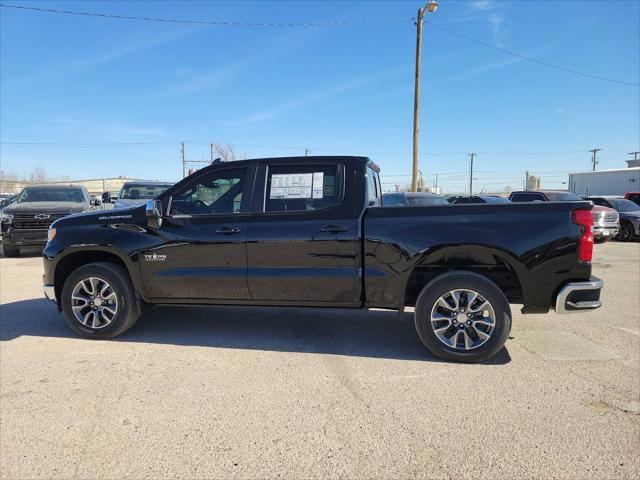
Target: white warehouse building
point(605, 182)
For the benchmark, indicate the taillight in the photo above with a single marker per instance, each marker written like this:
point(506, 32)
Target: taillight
point(584, 218)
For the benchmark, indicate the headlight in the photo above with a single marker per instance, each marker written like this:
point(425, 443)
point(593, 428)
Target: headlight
point(51, 234)
point(6, 218)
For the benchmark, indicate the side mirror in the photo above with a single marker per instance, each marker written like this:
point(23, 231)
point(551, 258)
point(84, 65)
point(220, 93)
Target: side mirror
point(106, 197)
point(154, 213)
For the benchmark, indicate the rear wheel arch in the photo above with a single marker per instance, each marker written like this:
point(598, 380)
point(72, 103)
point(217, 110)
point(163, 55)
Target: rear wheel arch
point(495, 265)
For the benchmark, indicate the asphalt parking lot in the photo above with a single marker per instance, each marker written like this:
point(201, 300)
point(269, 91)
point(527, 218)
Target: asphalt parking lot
point(257, 393)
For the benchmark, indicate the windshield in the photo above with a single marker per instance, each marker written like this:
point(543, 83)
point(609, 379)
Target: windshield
point(421, 200)
point(623, 205)
point(133, 191)
point(53, 194)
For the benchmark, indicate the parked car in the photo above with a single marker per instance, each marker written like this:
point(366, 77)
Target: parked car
point(310, 232)
point(25, 221)
point(543, 196)
point(606, 223)
point(6, 199)
point(634, 197)
point(412, 199)
point(134, 194)
point(629, 215)
point(462, 199)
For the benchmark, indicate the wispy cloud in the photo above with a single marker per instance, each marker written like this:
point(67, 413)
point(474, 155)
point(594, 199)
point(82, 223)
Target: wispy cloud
point(57, 69)
point(485, 68)
point(315, 97)
point(194, 81)
point(486, 11)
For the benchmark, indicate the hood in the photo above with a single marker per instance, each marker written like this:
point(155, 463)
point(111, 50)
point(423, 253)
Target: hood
point(44, 207)
point(125, 203)
point(102, 217)
point(629, 215)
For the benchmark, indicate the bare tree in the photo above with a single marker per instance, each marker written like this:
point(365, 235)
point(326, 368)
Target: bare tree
point(38, 175)
point(226, 153)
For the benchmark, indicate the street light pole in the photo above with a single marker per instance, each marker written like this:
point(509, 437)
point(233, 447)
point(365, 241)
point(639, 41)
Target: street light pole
point(432, 6)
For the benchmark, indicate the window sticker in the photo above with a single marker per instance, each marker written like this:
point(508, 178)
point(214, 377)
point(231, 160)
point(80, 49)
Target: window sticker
point(296, 185)
point(318, 181)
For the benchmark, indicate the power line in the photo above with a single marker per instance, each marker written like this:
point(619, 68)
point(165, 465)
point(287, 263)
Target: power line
point(533, 60)
point(321, 24)
point(210, 22)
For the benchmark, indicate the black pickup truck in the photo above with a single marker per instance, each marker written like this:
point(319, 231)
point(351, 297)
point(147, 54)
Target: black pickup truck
point(310, 231)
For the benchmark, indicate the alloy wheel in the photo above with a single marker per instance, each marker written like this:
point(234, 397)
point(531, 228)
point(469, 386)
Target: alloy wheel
point(463, 319)
point(94, 302)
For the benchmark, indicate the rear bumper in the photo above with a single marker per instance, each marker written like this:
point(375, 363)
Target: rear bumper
point(579, 296)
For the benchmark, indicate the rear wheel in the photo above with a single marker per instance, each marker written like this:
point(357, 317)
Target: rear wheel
point(10, 251)
point(626, 233)
point(463, 316)
point(98, 301)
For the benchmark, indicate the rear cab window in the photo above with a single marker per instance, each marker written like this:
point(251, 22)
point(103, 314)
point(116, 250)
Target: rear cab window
point(528, 197)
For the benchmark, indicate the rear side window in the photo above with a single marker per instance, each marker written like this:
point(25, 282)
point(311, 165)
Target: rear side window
point(302, 188)
point(527, 197)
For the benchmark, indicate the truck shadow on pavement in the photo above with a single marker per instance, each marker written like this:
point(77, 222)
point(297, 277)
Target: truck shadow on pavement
point(361, 333)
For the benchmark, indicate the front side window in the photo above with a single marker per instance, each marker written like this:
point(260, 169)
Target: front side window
point(301, 188)
point(218, 192)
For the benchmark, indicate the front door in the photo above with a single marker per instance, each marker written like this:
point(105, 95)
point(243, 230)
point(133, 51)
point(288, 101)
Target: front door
point(199, 251)
point(301, 237)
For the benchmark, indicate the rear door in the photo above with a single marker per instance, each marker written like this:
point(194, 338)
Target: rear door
point(302, 235)
point(199, 252)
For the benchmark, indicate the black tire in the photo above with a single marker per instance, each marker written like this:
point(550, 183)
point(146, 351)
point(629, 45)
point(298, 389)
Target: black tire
point(10, 251)
point(118, 278)
point(447, 282)
point(626, 233)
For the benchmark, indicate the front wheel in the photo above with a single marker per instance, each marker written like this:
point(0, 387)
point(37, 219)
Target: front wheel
point(626, 233)
point(98, 301)
point(463, 316)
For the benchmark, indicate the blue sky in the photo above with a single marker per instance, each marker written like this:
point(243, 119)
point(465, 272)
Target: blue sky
point(272, 91)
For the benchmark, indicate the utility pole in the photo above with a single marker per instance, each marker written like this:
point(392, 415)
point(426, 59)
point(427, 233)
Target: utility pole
point(211, 154)
point(526, 180)
point(306, 152)
point(421, 181)
point(182, 159)
point(593, 158)
point(432, 6)
point(472, 156)
point(635, 155)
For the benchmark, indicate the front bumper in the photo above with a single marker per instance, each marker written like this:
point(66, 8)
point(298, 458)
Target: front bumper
point(50, 292)
point(24, 238)
point(579, 296)
point(606, 231)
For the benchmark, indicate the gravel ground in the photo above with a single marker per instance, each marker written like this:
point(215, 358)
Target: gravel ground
point(292, 393)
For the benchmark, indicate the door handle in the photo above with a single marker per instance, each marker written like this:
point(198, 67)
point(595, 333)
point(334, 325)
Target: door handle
point(334, 228)
point(228, 230)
